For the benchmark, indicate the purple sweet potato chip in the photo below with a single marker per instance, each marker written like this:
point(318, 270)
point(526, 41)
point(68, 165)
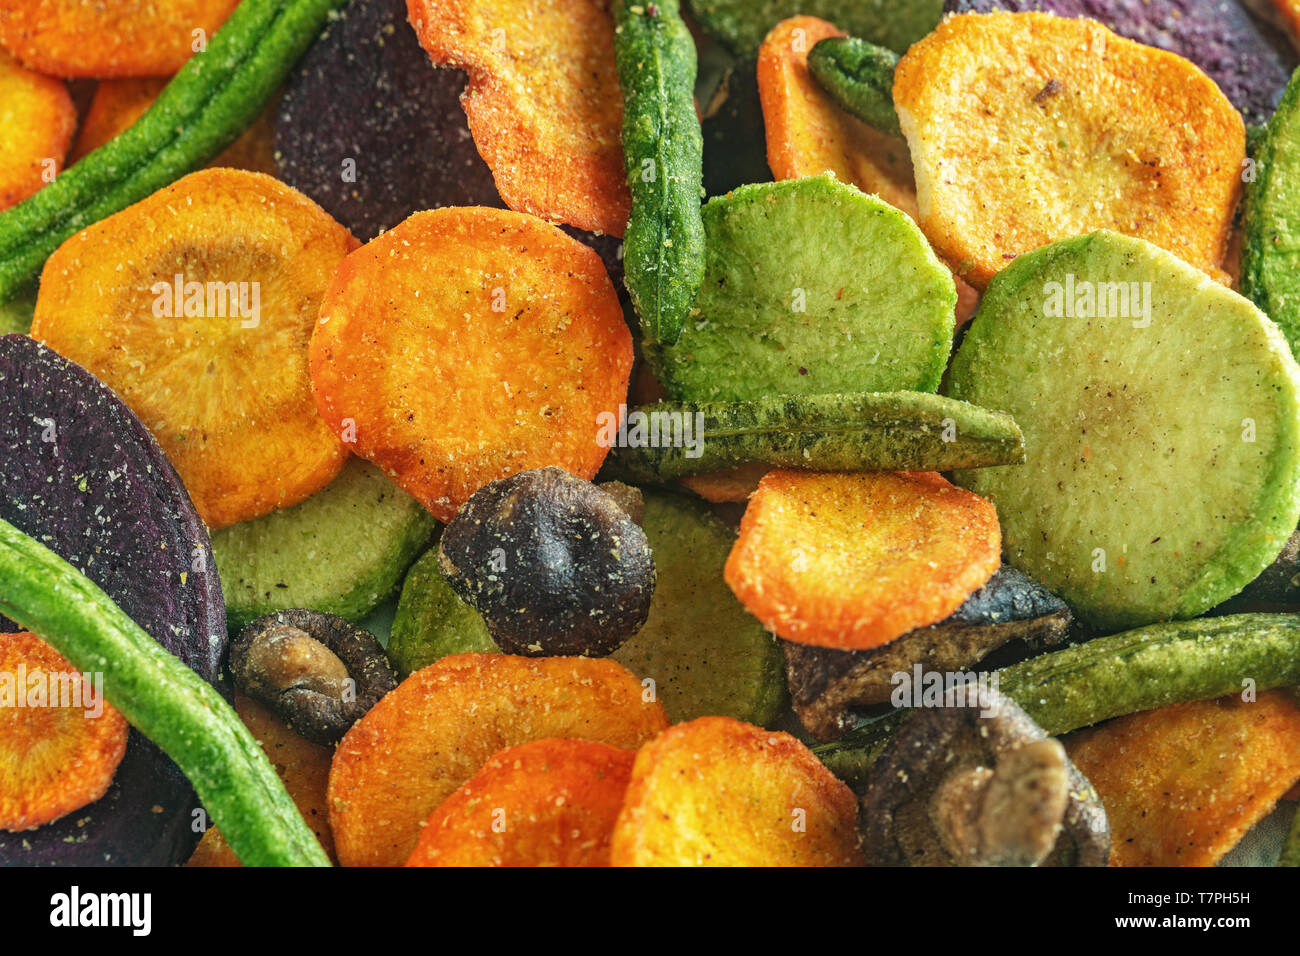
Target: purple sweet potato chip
point(373, 132)
point(1250, 65)
point(80, 473)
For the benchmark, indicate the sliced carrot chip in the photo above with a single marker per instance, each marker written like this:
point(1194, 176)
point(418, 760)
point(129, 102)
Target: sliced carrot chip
point(809, 134)
point(60, 742)
point(545, 803)
point(304, 768)
point(108, 38)
point(1027, 128)
point(728, 485)
point(218, 373)
point(37, 119)
point(1182, 784)
point(852, 561)
point(426, 738)
point(543, 101)
point(468, 344)
point(1287, 13)
point(117, 104)
point(720, 792)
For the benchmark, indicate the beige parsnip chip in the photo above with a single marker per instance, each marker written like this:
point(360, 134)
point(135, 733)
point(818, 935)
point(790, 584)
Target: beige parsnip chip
point(1027, 128)
point(720, 792)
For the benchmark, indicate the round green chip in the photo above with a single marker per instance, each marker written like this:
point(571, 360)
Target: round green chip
point(1161, 416)
point(811, 287)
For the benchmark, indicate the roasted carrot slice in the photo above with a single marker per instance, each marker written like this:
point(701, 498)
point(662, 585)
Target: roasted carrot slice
point(809, 134)
point(109, 38)
point(1182, 784)
point(60, 742)
point(117, 104)
point(728, 485)
point(852, 561)
point(720, 792)
point(468, 344)
point(545, 803)
point(543, 101)
point(37, 118)
point(430, 735)
point(304, 768)
point(217, 370)
point(1027, 128)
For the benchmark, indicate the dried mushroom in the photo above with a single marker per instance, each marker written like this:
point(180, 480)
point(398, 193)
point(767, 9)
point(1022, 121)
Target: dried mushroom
point(978, 783)
point(319, 672)
point(555, 565)
point(826, 684)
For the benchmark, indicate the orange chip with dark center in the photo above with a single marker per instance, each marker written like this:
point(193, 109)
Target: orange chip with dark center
point(720, 792)
point(196, 306)
point(425, 739)
point(468, 344)
point(1182, 784)
point(545, 803)
point(543, 102)
point(109, 38)
point(60, 742)
point(852, 561)
point(37, 119)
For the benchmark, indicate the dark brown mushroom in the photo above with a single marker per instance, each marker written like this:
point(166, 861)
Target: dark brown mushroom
point(554, 565)
point(826, 685)
point(978, 783)
point(319, 672)
point(629, 498)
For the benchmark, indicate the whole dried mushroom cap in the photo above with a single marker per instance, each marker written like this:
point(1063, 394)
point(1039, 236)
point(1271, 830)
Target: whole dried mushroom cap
point(978, 783)
point(319, 672)
point(555, 565)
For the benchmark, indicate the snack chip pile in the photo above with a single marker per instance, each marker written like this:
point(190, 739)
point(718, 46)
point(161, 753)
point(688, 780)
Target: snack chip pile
point(623, 433)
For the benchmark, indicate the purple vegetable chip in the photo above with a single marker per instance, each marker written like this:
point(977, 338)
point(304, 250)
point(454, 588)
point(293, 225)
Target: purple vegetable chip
point(373, 131)
point(1249, 62)
point(81, 474)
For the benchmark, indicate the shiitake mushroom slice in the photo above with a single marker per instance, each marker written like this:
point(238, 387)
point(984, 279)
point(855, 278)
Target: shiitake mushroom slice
point(976, 782)
point(827, 685)
point(319, 672)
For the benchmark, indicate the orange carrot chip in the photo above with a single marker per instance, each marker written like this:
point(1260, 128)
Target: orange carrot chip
point(1182, 784)
point(196, 305)
point(108, 38)
point(809, 134)
point(720, 792)
point(60, 742)
point(852, 561)
point(543, 101)
point(545, 803)
point(1027, 128)
point(425, 739)
point(468, 344)
point(37, 119)
point(303, 766)
point(117, 104)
